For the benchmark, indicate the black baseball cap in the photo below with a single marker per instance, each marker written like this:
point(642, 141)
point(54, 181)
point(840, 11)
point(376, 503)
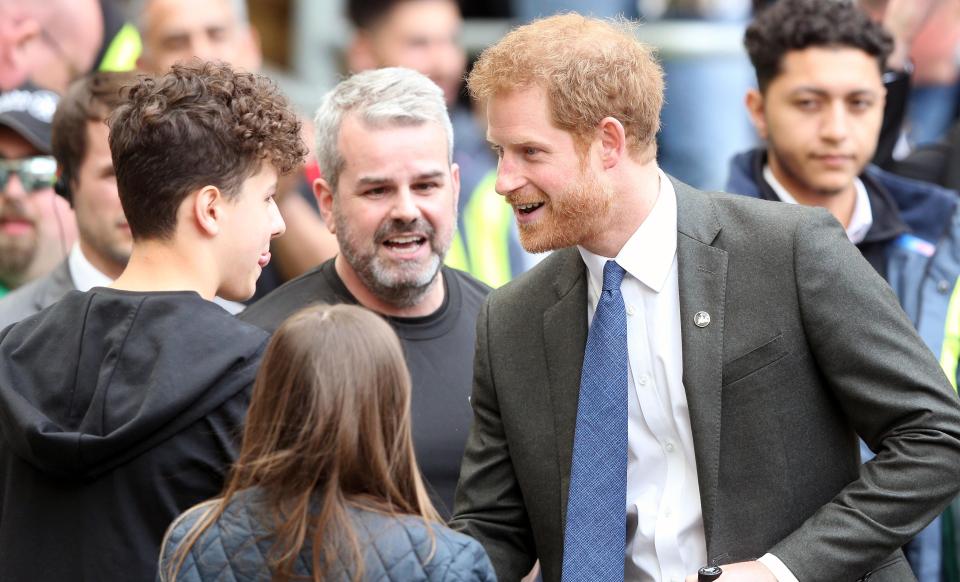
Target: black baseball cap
point(28, 111)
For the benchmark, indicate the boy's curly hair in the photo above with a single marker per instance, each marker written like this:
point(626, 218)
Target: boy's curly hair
point(200, 124)
point(795, 25)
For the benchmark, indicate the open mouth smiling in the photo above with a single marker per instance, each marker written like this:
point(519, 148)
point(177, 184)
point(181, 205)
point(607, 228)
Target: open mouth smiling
point(528, 208)
point(408, 243)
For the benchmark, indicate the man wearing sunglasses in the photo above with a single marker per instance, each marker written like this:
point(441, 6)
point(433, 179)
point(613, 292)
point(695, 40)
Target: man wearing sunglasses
point(36, 226)
point(87, 181)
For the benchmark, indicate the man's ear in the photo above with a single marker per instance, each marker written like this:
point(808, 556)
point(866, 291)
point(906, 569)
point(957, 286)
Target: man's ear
point(455, 184)
point(360, 55)
point(613, 142)
point(324, 196)
point(755, 108)
point(208, 209)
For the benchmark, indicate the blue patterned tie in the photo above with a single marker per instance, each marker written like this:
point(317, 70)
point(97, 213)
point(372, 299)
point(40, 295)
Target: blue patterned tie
point(595, 536)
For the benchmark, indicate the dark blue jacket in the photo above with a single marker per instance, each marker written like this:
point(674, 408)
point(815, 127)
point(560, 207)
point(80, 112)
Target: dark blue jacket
point(395, 549)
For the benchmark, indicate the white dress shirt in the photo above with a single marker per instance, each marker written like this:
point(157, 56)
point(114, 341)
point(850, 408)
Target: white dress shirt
point(860, 221)
point(85, 276)
point(665, 534)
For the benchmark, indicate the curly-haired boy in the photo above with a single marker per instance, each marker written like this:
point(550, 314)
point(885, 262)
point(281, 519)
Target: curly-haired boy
point(120, 405)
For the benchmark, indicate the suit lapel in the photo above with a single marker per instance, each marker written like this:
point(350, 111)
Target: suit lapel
point(702, 274)
point(565, 336)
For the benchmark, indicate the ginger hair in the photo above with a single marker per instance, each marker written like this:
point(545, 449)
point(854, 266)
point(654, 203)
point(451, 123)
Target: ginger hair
point(589, 68)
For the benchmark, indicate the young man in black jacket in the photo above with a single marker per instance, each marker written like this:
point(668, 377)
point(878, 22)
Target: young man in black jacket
point(120, 406)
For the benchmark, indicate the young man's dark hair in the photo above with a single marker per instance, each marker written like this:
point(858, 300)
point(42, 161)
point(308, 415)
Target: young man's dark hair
point(792, 25)
point(226, 125)
point(120, 406)
point(92, 100)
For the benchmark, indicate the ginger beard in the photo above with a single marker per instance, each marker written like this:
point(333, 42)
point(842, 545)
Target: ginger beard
point(571, 217)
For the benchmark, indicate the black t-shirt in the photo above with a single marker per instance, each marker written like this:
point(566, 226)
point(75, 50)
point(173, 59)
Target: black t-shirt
point(439, 351)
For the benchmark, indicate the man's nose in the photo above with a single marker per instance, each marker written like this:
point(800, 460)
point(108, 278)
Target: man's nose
point(405, 207)
point(203, 49)
point(834, 126)
point(13, 187)
point(508, 177)
point(277, 222)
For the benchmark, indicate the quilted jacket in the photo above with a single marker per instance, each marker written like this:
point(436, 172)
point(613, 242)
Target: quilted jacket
point(395, 549)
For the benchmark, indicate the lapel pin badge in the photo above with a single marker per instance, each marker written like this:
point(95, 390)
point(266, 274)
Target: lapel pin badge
point(701, 319)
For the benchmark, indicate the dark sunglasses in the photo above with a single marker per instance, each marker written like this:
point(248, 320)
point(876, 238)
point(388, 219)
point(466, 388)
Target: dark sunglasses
point(35, 173)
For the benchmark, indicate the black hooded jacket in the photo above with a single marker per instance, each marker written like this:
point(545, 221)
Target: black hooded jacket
point(118, 411)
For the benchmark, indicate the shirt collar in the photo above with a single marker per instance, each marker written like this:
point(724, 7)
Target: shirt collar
point(649, 252)
point(85, 276)
point(860, 221)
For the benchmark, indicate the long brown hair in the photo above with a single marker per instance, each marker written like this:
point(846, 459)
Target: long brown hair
point(328, 428)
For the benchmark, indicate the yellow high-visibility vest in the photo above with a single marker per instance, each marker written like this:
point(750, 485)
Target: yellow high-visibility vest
point(483, 248)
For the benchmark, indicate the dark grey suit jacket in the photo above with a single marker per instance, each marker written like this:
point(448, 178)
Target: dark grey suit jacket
point(36, 295)
point(807, 348)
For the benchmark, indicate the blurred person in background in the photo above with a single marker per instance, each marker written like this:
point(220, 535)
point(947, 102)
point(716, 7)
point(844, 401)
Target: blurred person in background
point(211, 30)
point(326, 486)
point(389, 192)
point(424, 35)
point(87, 182)
point(908, 22)
point(819, 107)
point(53, 42)
point(37, 227)
point(220, 30)
point(928, 37)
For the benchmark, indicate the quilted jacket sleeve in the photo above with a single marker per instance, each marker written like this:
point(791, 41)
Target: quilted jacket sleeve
point(189, 571)
point(471, 564)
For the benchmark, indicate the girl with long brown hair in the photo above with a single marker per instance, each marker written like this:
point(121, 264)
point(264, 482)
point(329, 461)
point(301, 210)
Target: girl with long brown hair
point(326, 486)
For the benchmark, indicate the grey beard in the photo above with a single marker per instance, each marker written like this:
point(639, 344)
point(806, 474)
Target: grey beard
point(401, 294)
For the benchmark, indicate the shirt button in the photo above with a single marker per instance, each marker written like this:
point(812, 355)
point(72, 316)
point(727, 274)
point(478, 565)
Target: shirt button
point(669, 446)
point(631, 310)
point(642, 381)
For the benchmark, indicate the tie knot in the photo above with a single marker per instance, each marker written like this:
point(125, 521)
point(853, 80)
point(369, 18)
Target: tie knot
point(612, 276)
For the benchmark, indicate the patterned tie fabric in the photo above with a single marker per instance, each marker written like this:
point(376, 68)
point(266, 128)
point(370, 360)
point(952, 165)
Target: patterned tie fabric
point(595, 535)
